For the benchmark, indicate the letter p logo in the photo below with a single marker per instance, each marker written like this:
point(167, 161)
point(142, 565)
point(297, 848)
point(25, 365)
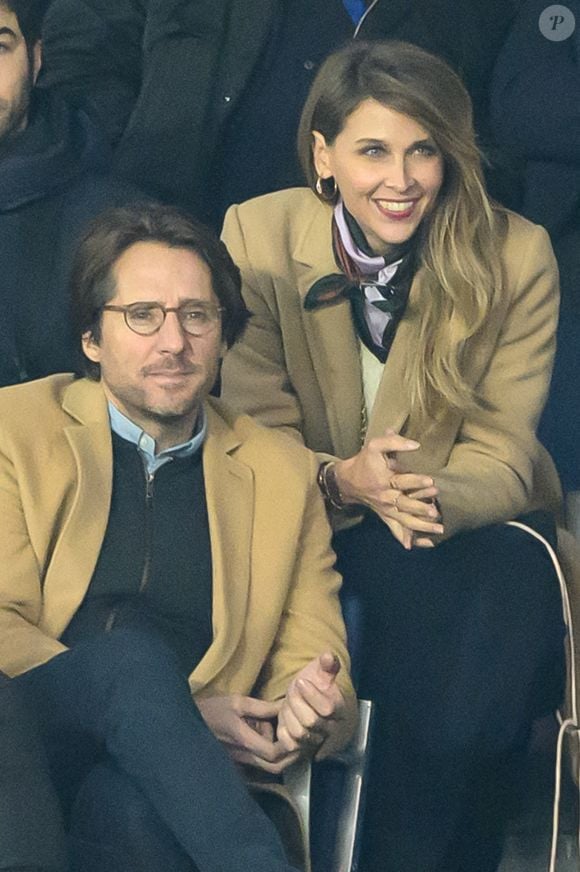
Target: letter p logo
point(557, 23)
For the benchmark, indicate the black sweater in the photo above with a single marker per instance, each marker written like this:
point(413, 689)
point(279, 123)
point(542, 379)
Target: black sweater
point(154, 569)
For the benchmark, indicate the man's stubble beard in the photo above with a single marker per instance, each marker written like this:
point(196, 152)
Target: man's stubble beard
point(136, 399)
point(14, 115)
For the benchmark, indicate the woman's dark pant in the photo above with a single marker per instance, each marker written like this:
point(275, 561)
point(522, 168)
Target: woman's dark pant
point(463, 649)
point(144, 784)
point(31, 830)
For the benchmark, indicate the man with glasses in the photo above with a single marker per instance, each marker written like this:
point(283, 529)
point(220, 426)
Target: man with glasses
point(156, 548)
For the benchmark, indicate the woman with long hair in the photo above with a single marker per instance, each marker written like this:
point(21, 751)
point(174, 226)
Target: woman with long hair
point(403, 328)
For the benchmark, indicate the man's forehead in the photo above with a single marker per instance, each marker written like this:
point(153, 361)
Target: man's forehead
point(147, 267)
point(149, 254)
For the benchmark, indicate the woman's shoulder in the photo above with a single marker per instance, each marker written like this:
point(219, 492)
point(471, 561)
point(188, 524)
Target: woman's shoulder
point(528, 257)
point(290, 207)
point(517, 230)
point(520, 240)
point(274, 231)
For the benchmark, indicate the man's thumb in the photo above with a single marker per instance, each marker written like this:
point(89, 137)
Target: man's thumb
point(330, 663)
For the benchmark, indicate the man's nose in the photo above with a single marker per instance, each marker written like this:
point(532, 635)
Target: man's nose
point(171, 336)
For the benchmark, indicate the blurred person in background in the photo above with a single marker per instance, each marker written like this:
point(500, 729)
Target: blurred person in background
point(535, 118)
point(201, 100)
point(54, 177)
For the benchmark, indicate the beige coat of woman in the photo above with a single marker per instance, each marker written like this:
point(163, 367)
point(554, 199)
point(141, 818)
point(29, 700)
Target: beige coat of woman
point(301, 370)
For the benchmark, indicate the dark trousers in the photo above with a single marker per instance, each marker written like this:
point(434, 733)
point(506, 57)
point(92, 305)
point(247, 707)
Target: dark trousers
point(463, 649)
point(144, 784)
point(31, 830)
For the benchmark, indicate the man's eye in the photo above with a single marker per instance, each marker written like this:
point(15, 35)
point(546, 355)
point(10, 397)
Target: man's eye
point(143, 315)
point(198, 316)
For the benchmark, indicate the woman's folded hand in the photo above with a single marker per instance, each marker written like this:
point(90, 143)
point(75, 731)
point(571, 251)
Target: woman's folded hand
point(405, 501)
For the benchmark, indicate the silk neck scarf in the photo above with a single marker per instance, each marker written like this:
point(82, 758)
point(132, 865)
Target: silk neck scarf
point(377, 287)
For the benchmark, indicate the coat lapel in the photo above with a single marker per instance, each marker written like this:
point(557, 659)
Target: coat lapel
point(335, 352)
point(331, 337)
point(229, 489)
point(391, 407)
point(77, 549)
point(230, 499)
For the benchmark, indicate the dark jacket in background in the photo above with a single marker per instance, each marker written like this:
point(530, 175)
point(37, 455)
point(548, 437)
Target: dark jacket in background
point(53, 181)
point(166, 76)
point(535, 114)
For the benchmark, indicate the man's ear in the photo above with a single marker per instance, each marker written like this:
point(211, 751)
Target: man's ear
point(321, 155)
point(36, 59)
point(91, 347)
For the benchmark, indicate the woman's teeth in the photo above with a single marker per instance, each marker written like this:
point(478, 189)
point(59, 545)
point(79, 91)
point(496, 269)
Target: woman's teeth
point(396, 205)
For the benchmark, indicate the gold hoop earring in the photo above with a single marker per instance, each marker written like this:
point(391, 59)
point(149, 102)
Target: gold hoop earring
point(328, 195)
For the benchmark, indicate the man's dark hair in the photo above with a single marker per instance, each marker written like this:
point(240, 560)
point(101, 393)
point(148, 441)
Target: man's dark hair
point(30, 15)
point(117, 229)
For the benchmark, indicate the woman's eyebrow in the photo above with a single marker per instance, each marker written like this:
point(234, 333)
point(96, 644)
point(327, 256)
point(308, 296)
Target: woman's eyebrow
point(371, 140)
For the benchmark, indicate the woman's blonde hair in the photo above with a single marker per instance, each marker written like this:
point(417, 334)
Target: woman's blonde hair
point(459, 241)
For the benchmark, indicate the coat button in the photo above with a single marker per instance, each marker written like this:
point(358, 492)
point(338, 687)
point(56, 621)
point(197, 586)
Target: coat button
point(309, 65)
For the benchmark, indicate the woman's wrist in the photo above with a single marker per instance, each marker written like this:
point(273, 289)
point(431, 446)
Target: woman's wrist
point(329, 486)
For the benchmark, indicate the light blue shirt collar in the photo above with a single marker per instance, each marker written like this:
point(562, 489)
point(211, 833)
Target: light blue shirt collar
point(127, 429)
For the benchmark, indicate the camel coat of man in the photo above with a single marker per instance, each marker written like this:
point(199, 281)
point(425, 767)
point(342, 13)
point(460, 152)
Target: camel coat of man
point(275, 604)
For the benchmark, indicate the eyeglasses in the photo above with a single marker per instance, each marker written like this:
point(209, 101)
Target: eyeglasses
point(197, 319)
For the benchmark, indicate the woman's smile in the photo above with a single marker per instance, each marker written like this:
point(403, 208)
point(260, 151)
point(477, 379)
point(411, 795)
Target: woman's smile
point(397, 210)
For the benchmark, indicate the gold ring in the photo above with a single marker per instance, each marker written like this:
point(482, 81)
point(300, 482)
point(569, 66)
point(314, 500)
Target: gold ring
point(396, 502)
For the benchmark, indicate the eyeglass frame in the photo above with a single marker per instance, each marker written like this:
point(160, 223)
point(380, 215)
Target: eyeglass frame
point(165, 309)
